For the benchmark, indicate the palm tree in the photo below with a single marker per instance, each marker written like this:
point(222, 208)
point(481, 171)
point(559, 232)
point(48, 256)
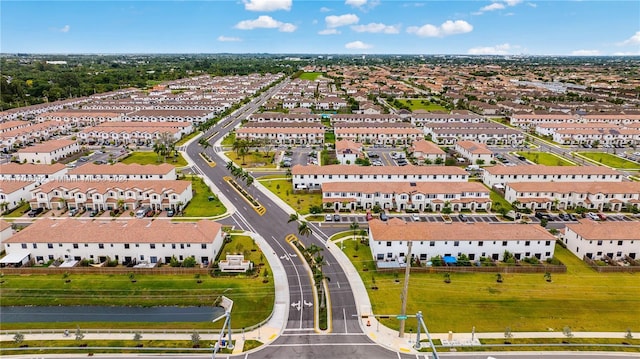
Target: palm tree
point(4, 206)
point(230, 165)
point(354, 227)
point(249, 180)
point(304, 230)
point(288, 173)
point(293, 217)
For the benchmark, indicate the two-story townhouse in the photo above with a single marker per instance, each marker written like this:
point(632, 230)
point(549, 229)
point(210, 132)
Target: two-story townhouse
point(14, 192)
point(500, 175)
point(121, 171)
point(48, 152)
point(111, 194)
point(132, 241)
point(348, 151)
point(389, 240)
point(38, 173)
point(562, 195)
point(598, 240)
point(474, 152)
point(427, 152)
point(313, 177)
point(401, 196)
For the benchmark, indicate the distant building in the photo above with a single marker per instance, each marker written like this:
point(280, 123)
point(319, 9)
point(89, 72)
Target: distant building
point(48, 152)
point(595, 239)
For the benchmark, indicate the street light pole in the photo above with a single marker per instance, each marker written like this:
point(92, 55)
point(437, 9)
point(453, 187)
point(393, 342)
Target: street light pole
point(405, 290)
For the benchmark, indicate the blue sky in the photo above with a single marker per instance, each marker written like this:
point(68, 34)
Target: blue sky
point(550, 27)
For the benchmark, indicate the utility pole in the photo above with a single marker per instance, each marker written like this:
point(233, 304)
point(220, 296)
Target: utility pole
point(405, 290)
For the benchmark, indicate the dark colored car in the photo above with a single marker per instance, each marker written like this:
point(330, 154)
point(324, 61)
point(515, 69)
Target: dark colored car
point(384, 217)
point(463, 218)
point(336, 217)
point(34, 212)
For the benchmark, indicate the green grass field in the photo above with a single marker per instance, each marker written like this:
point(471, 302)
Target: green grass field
point(18, 212)
point(311, 76)
point(253, 159)
point(200, 206)
point(151, 158)
point(186, 138)
point(298, 201)
point(610, 160)
point(422, 105)
point(543, 158)
point(498, 202)
point(581, 298)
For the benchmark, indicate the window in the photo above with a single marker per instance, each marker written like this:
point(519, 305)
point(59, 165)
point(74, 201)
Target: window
point(547, 243)
point(456, 243)
point(75, 245)
point(599, 243)
point(526, 243)
point(24, 245)
point(203, 246)
point(504, 243)
point(389, 244)
point(49, 245)
point(152, 245)
point(619, 243)
point(480, 243)
point(380, 257)
point(126, 246)
point(432, 244)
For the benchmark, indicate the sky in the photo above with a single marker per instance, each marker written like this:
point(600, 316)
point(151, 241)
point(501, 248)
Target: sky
point(478, 27)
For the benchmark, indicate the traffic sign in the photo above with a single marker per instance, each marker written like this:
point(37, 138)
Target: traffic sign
point(401, 317)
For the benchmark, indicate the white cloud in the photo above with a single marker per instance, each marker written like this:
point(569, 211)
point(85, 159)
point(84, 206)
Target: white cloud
point(490, 50)
point(626, 53)
point(447, 28)
point(267, 5)
point(341, 20)
point(499, 5)
point(65, 28)
point(585, 53)
point(376, 27)
point(492, 7)
point(265, 22)
point(325, 9)
point(633, 40)
point(223, 38)
point(534, 5)
point(359, 45)
point(356, 3)
point(329, 32)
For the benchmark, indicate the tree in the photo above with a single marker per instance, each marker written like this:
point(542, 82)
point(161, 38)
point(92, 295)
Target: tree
point(230, 165)
point(304, 229)
point(189, 262)
point(4, 206)
point(293, 217)
point(195, 339)
point(354, 226)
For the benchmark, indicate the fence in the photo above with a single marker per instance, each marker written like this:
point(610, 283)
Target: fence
point(632, 268)
point(104, 270)
point(492, 269)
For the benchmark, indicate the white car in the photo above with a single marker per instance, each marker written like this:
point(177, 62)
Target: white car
point(328, 218)
point(415, 217)
point(593, 216)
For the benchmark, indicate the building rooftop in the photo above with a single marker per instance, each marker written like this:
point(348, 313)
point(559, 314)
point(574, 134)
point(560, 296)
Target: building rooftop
point(603, 230)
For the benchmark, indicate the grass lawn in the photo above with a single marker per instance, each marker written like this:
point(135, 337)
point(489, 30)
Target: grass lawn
point(543, 158)
point(200, 206)
point(580, 298)
point(422, 105)
point(311, 76)
point(298, 201)
point(18, 212)
point(241, 244)
point(253, 159)
point(329, 137)
point(151, 158)
point(610, 160)
point(186, 138)
point(253, 300)
point(498, 202)
point(229, 139)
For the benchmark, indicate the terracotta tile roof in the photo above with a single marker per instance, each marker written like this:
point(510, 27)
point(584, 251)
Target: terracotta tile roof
point(603, 230)
point(426, 147)
point(10, 186)
point(342, 145)
point(576, 187)
point(4, 225)
point(288, 130)
point(122, 169)
point(48, 146)
point(377, 170)
point(30, 169)
point(404, 187)
point(47, 230)
point(103, 186)
point(550, 170)
point(474, 147)
point(398, 230)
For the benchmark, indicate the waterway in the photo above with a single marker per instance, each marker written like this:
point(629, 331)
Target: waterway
point(108, 314)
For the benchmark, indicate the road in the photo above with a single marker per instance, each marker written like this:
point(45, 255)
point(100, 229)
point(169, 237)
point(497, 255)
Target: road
point(301, 337)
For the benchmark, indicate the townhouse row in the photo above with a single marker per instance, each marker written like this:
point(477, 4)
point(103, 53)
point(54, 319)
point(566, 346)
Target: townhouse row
point(127, 242)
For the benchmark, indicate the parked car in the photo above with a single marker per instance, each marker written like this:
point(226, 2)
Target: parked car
point(543, 215)
point(572, 217)
point(35, 212)
point(336, 217)
point(384, 217)
point(369, 216)
point(328, 218)
point(415, 217)
point(170, 213)
point(565, 217)
point(73, 212)
point(462, 217)
point(602, 216)
point(93, 213)
point(593, 216)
